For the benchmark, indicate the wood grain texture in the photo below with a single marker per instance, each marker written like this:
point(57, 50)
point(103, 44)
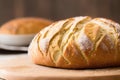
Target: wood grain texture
point(6, 10)
point(19, 8)
point(20, 67)
point(59, 9)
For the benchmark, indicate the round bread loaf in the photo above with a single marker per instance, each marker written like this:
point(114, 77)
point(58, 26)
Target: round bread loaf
point(79, 42)
point(24, 26)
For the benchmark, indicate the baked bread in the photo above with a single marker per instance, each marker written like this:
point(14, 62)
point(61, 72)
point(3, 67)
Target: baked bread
point(24, 26)
point(79, 42)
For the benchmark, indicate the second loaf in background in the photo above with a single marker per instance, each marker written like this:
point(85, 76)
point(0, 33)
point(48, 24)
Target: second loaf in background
point(26, 25)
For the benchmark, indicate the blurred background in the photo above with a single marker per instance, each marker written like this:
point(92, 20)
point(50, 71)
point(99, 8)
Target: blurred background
point(59, 9)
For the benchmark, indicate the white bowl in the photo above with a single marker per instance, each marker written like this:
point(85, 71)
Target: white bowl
point(16, 40)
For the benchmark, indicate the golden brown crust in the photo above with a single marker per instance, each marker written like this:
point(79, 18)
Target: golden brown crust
point(80, 42)
point(24, 26)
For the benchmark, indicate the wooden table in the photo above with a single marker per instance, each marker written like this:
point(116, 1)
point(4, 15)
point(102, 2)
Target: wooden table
point(20, 67)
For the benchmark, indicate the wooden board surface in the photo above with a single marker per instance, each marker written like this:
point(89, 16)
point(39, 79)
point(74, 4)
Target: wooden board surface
point(20, 67)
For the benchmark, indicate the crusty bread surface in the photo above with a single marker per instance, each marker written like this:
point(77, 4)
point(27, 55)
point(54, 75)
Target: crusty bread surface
point(78, 42)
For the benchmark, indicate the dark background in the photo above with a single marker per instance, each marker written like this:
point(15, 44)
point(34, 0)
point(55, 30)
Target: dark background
point(59, 9)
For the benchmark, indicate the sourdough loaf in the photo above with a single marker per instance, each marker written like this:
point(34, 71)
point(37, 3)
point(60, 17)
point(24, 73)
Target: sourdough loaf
point(79, 42)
